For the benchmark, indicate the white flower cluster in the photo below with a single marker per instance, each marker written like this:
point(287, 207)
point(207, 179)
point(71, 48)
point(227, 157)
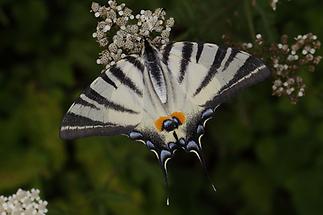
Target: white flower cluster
point(306, 44)
point(258, 41)
point(292, 57)
point(121, 33)
point(23, 203)
point(302, 51)
point(286, 59)
point(290, 86)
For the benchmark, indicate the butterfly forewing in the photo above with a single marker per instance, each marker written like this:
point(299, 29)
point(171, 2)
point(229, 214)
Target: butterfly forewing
point(111, 105)
point(209, 72)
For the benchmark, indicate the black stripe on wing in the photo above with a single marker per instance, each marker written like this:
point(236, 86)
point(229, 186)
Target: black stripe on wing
point(80, 101)
point(119, 74)
point(75, 126)
point(166, 53)
point(186, 55)
point(72, 119)
point(200, 47)
point(231, 58)
point(69, 132)
point(134, 61)
point(108, 80)
point(93, 95)
point(249, 66)
point(250, 73)
point(220, 54)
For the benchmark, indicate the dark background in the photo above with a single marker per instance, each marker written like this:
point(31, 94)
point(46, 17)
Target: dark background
point(264, 154)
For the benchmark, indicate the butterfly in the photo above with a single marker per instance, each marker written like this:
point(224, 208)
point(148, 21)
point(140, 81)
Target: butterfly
point(163, 97)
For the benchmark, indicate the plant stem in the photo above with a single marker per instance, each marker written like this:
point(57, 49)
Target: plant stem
point(249, 19)
point(265, 22)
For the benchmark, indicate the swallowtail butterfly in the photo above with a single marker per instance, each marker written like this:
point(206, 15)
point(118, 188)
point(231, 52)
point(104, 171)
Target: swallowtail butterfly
point(163, 97)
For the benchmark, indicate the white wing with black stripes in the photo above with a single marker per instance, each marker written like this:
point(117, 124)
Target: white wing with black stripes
point(111, 105)
point(163, 97)
point(209, 73)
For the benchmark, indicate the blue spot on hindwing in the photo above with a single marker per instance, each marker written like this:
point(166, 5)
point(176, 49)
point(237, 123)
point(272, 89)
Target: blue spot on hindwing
point(207, 114)
point(135, 135)
point(150, 145)
point(200, 129)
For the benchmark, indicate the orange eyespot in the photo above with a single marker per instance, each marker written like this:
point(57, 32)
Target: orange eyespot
point(159, 122)
point(180, 116)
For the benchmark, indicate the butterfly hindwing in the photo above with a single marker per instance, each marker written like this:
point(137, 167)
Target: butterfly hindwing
point(111, 105)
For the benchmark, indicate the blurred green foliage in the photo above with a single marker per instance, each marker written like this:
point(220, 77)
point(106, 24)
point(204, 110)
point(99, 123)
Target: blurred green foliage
point(264, 154)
